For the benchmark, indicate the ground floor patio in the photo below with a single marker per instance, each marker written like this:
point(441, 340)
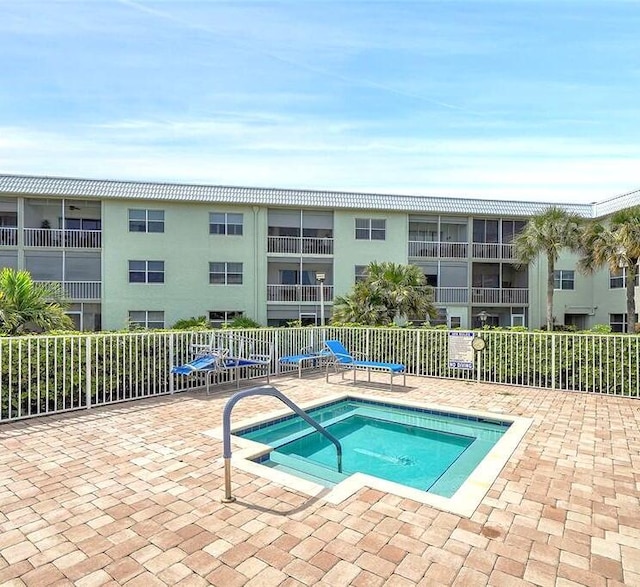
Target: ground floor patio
point(130, 495)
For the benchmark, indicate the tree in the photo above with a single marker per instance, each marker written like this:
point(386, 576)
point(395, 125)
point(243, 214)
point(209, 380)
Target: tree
point(390, 292)
point(26, 305)
point(615, 243)
point(548, 233)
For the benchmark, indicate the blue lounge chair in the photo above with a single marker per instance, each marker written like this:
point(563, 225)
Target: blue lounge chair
point(305, 358)
point(343, 360)
point(213, 362)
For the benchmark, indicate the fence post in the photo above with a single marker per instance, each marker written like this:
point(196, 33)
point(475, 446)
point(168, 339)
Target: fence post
point(87, 368)
point(553, 361)
point(171, 361)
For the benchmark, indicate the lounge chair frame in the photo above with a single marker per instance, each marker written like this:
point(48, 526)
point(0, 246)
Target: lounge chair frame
point(341, 360)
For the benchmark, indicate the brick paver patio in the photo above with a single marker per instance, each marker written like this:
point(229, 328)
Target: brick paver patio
point(130, 494)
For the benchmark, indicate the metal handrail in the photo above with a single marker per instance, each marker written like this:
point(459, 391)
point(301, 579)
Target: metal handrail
point(226, 429)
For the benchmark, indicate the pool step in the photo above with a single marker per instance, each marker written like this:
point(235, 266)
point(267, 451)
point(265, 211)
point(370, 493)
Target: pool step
point(305, 468)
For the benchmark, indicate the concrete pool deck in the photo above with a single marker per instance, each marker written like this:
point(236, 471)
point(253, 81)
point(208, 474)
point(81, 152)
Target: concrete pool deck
point(130, 495)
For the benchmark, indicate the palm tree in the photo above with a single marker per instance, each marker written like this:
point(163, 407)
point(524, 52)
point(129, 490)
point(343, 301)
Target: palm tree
point(361, 306)
point(25, 304)
point(390, 292)
point(615, 243)
point(548, 233)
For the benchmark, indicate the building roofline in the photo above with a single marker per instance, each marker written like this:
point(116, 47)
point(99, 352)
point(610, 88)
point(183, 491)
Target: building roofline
point(55, 186)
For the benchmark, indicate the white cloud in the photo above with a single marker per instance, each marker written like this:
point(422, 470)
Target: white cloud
point(483, 169)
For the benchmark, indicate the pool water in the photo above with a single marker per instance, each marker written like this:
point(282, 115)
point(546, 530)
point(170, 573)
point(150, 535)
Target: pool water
point(425, 449)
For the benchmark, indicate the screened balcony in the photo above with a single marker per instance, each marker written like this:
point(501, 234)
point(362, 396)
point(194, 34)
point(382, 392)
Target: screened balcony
point(62, 224)
point(300, 232)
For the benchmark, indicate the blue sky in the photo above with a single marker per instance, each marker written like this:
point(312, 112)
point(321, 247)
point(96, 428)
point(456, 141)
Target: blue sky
point(514, 100)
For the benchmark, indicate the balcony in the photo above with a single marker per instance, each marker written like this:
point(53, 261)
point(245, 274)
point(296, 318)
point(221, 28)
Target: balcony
point(8, 236)
point(493, 251)
point(298, 293)
point(296, 245)
point(451, 295)
point(80, 290)
point(55, 237)
point(435, 249)
point(511, 296)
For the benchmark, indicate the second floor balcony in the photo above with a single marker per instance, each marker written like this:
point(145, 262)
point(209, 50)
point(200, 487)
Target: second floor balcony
point(299, 293)
point(56, 237)
point(493, 251)
point(436, 249)
point(500, 295)
point(8, 236)
point(299, 245)
point(80, 290)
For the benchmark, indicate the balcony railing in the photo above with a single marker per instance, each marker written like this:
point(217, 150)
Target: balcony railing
point(80, 290)
point(298, 293)
point(511, 295)
point(296, 245)
point(435, 249)
point(493, 251)
point(56, 237)
point(8, 236)
point(451, 295)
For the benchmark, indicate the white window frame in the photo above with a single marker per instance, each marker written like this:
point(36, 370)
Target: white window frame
point(147, 319)
point(228, 223)
point(360, 273)
point(562, 277)
point(151, 220)
point(219, 317)
point(372, 229)
point(619, 281)
point(226, 269)
point(147, 270)
point(619, 324)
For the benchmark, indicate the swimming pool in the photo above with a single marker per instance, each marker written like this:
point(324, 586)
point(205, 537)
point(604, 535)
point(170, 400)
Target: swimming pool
point(421, 448)
point(384, 448)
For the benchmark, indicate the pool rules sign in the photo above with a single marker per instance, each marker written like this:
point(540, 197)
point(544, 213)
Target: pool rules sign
point(461, 351)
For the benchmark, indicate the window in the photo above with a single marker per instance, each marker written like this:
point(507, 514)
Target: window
point(225, 273)
point(485, 231)
point(146, 319)
point(83, 223)
point(618, 322)
point(146, 220)
point(618, 278)
point(563, 279)
point(9, 219)
point(423, 229)
point(372, 229)
point(146, 271)
point(295, 277)
point(361, 273)
point(511, 229)
point(225, 223)
point(219, 317)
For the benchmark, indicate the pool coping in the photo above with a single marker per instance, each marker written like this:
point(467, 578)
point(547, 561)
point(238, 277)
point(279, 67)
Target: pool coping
point(464, 501)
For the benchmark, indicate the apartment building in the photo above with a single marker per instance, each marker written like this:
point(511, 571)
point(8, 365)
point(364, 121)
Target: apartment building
point(152, 253)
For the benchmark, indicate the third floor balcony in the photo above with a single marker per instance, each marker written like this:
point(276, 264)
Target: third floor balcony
point(437, 249)
point(300, 245)
point(299, 293)
point(56, 237)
